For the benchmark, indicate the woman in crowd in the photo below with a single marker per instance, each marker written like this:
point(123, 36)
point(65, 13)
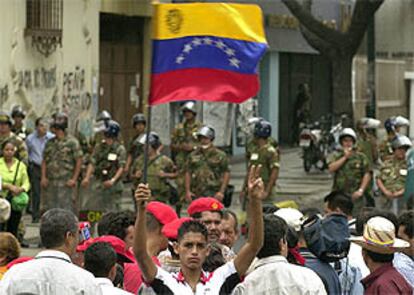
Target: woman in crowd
point(15, 185)
point(9, 250)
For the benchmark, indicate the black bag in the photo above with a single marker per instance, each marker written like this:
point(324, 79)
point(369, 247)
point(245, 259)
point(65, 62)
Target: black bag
point(327, 238)
point(228, 195)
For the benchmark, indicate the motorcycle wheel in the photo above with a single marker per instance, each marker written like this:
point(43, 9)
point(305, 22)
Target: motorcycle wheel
point(307, 159)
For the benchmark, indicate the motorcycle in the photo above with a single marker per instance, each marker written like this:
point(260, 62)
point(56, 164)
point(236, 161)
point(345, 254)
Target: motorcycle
point(314, 143)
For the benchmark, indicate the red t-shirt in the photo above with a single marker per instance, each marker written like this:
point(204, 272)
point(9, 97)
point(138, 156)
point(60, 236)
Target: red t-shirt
point(133, 275)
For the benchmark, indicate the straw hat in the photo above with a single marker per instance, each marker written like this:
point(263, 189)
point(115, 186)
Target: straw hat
point(379, 237)
point(5, 210)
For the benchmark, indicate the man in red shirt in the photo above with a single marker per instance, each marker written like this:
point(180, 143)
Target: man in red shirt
point(378, 247)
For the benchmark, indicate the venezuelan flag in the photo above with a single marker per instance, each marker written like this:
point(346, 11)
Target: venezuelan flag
point(206, 51)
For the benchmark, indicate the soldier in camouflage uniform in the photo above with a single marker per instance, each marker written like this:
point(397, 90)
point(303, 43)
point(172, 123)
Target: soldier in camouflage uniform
point(18, 128)
point(392, 126)
point(351, 168)
point(107, 165)
point(393, 173)
point(135, 148)
point(7, 135)
point(252, 143)
point(101, 121)
point(62, 160)
point(264, 153)
point(207, 169)
point(160, 171)
point(183, 142)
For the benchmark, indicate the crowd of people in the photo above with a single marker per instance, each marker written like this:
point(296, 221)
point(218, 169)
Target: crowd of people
point(362, 242)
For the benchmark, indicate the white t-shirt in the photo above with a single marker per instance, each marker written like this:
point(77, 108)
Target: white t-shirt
point(49, 273)
point(108, 288)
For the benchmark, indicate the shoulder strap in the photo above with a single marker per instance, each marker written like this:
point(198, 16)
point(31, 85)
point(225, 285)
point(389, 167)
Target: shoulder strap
point(17, 171)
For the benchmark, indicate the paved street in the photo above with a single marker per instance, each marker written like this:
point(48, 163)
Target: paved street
point(307, 189)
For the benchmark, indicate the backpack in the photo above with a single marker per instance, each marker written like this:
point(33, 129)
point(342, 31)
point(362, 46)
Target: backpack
point(327, 238)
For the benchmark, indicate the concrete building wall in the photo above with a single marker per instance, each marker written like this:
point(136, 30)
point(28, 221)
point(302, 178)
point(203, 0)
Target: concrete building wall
point(65, 80)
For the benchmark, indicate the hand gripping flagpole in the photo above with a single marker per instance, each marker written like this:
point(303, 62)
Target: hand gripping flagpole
point(146, 148)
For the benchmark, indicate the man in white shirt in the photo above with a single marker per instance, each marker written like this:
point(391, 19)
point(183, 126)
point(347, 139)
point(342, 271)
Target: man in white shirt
point(52, 272)
point(100, 260)
point(272, 273)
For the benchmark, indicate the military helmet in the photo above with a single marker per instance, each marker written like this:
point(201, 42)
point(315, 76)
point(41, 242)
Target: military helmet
point(262, 129)
point(368, 123)
point(104, 116)
point(112, 129)
point(207, 131)
point(389, 124)
point(17, 111)
point(347, 132)
point(153, 140)
point(60, 121)
point(189, 106)
point(401, 141)
point(138, 118)
point(5, 118)
point(401, 121)
point(254, 120)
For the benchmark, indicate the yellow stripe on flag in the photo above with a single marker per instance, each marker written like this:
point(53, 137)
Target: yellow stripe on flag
point(234, 21)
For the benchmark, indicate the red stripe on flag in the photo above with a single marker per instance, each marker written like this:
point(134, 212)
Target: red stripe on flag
point(202, 84)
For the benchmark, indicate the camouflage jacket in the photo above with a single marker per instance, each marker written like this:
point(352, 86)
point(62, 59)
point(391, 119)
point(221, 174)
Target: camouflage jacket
point(107, 159)
point(385, 149)
point(207, 168)
point(251, 146)
point(367, 145)
point(348, 178)
point(268, 157)
point(393, 174)
point(159, 186)
point(135, 149)
point(184, 133)
point(21, 152)
point(60, 156)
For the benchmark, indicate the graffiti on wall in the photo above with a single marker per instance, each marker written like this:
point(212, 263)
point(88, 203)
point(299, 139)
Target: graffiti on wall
point(4, 94)
point(38, 78)
point(73, 86)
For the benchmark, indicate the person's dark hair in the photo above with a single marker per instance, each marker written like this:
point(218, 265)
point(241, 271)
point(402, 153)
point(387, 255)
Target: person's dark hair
point(311, 211)
point(340, 200)
point(103, 224)
point(54, 225)
point(406, 219)
point(214, 259)
point(275, 229)
point(199, 215)
point(119, 277)
point(8, 141)
point(193, 226)
point(227, 214)
point(100, 257)
point(153, 224)
point(119, 223)
point(378, 257)
point(361, 219)
point(39, 121)
point(269, 208)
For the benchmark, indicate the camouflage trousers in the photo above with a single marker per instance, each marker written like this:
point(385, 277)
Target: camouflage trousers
point(98, 198)
point(58, 195)
point(394, 205)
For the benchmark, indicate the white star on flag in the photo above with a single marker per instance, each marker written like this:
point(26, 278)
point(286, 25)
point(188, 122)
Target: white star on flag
point(187, 48)
point(179, 59)
point(220, 44)
point(234, 62)
point(208, 41)
point(230, 52)
point(197, 41)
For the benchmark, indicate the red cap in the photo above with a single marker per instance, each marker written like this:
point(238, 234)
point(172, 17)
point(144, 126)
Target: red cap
point(204, 204)
point(18, 261)
point(170, 230)
point(162, 212)
point(119, 246)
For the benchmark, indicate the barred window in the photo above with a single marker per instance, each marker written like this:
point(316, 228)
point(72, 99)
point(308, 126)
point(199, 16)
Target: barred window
point(44, 20)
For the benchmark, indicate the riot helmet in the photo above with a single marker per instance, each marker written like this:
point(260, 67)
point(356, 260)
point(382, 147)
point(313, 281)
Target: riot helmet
point(138, 118)
point(347, 132)
point(207, 131)
point(401, 141)
point(153, 140)
point(112, 129)
point(60, 121)
point(18, 111)
point(104, 116)
point(5, 118)
point(262, 129)
point(189, 106)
